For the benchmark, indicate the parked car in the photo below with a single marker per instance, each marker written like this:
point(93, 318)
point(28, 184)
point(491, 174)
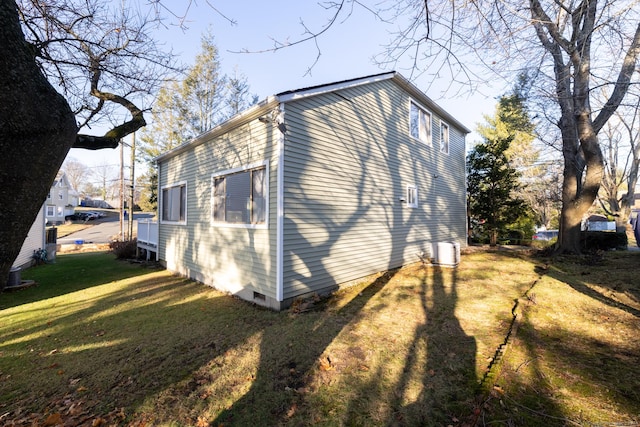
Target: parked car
point(545, 235)
point(84, 216)
point(95, 214)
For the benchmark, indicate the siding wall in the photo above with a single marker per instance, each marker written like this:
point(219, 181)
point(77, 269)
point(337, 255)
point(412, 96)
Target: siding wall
point(236, 260)
point(348, 160)
point(35, 240)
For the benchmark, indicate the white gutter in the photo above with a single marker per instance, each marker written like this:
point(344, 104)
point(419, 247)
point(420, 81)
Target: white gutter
point(280, 210)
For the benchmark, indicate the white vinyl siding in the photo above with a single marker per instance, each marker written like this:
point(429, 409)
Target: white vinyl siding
point(230, 257)
point(348, 162)
point(35, 240)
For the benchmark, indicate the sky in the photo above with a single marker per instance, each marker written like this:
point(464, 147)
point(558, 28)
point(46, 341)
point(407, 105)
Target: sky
point(345, 51)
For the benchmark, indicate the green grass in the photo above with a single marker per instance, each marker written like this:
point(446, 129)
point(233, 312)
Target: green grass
point(100, 341)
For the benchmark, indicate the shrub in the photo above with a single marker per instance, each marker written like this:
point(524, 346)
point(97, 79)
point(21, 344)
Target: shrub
point(124, 250)
point(601, 240)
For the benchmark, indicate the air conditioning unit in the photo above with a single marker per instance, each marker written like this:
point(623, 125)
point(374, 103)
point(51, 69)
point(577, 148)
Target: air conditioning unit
point(15, 278)
point(447, 254)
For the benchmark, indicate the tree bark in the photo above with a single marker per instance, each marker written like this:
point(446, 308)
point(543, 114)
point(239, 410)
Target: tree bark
point(37, 129)
point(583, 159)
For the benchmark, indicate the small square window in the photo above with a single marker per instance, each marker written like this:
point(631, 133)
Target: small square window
point(412, 196)
point(444, 138)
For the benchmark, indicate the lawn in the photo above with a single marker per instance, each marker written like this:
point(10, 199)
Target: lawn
point(105, 342)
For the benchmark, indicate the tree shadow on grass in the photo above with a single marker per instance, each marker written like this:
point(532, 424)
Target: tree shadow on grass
point(115, 348)
point(574, 352)
point(288, 353)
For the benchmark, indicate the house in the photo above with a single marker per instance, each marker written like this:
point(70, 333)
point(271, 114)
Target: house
point(61, 200)
point(36, 240)
point(313, 188)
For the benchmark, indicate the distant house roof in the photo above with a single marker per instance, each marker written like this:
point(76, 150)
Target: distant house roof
point(270, 102)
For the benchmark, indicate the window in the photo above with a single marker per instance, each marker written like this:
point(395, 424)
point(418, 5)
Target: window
point(444, 138)
point(420, 124)
point(412, 196)
point(240, 197)
point(51, 211)
point(60, 196)
point(174, 203)
point(49, 195)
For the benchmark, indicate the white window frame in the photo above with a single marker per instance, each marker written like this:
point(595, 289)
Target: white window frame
point(412, 196)
point(422, 116)
point(245, 168)
point(445, 130)
point(162, 202)
point(51, 211)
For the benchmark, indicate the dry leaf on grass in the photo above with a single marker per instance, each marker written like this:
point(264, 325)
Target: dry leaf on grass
point(325, 364)
point(53, 420)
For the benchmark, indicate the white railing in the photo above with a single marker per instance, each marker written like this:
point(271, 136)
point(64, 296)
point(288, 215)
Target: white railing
point(147, 233)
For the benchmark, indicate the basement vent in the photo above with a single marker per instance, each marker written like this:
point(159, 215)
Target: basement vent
point(258, 296)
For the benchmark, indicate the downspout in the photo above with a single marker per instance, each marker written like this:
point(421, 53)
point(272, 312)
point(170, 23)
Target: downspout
point(158, 213)
point(280, 207)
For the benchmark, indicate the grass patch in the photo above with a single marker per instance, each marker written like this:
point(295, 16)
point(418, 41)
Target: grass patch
point(575, 359)
point(103, 341)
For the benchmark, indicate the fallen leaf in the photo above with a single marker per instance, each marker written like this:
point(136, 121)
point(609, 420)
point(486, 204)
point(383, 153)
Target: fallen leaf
point(291, 412)
point(325, 364)
point(98, 422)
point(53, 420)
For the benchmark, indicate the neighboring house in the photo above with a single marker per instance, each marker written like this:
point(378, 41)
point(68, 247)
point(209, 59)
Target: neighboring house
point(61, 200)
point(313, 188)
point(36, 240)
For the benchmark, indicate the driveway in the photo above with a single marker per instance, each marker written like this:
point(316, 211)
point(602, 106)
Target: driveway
point(103, 230)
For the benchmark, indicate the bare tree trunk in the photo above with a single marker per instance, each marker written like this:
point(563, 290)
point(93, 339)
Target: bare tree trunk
point(37, 129)
point(584, 163)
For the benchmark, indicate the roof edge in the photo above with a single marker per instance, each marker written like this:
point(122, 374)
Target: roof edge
point(239, 119)
point(294, 95)
point(416, 92)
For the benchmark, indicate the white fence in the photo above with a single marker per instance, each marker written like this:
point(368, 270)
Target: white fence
point(148, 236)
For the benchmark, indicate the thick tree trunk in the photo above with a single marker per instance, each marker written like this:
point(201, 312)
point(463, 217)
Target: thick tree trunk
point(37, 129)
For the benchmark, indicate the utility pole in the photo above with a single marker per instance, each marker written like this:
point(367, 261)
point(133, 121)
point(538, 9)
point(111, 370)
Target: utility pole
point(131, 186)
point(122, 237)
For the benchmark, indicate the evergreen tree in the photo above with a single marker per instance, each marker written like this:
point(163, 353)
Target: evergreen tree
point(238, 96)
point(493, 182)
point(183, 110)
